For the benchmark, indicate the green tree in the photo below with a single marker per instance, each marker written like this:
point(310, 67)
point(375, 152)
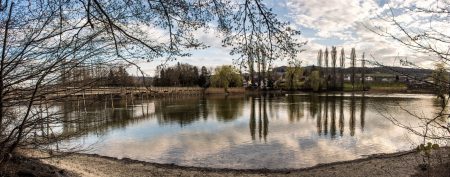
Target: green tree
point(226, 76)
point(293, 75)
point(315, 80)
point(441, 80)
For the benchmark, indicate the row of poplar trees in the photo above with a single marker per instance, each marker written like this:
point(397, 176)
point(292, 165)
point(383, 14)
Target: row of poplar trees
point(334, 80)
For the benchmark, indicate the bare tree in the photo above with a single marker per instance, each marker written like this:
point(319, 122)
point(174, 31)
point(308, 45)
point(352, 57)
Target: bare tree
point(363, 72)
point(44, 41)
point(342, 61)
point(260, 37)
point(319, 61)
point(431, 40)
point(333, 60)
point(353, 60)
point(319, 58)
point(327, 74)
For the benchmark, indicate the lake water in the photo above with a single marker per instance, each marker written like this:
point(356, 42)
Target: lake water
point(248, 132)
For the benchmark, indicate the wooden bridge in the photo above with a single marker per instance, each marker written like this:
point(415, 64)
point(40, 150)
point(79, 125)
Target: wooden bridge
point(123, 91)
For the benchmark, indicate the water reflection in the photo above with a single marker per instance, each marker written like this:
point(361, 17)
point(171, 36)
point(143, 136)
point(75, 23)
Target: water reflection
point(329, 110)
point(363, 111)
point(227, 108)
point(259, 113)
point(95, 117)
point(352, 115)
point(341, 115)
point(295, 108)
point(179, 111)
point(333, 118)
point(277, 131)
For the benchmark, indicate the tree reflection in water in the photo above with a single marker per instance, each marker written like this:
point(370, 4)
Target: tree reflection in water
point(341, 114)
point(352, 115)
point(319, 117)
point(363, 111)
point(325, 123)
point(97, 116)
point(180, 111)
point(331, 107)
point(329, 110)
point(263, 119)
point(227, 108)
point(333, 117)
point(217, 130)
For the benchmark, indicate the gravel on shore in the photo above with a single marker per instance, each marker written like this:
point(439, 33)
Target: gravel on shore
point(395, 164)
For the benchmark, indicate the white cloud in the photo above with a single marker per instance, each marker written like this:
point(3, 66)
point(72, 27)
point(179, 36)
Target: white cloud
point(342, 23)
point(331, 18)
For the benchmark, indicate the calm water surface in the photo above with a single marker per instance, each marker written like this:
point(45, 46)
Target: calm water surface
point(247, 132)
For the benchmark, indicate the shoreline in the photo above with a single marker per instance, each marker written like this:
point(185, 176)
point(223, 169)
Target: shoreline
point(251, 170)
point(402, 163)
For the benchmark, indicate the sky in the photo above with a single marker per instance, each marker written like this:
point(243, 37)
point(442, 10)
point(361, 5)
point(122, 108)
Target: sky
point(326, 23)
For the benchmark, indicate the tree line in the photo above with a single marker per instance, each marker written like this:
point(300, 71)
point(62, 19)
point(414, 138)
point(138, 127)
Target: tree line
point(97, 75)
point(332, 74)
point(329, 74)
point(182, 75)
point(186, 75)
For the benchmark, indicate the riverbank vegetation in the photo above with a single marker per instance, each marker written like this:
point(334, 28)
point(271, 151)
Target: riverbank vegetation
point(226, 76)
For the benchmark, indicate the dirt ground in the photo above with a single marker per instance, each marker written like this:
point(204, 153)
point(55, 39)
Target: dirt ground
point(396, 164)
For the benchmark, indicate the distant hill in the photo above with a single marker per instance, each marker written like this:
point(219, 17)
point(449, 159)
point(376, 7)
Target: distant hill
point(413, 72)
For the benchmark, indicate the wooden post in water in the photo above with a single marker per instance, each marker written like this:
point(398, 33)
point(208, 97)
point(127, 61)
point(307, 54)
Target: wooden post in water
point(84, 100)
point(132, 99)
point(126, 100)
point(112, 100)
point(78, 103)
point(48, 124)
point(142, 104)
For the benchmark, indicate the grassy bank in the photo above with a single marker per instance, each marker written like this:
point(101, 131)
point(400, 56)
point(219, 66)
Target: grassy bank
point(231, 90)
point(378, 87)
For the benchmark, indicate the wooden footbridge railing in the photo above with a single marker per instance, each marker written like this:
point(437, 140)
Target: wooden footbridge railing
point(68, 91)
